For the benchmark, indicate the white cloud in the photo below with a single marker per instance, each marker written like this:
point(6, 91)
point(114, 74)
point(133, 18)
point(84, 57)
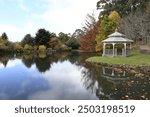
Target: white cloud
point(8, 28)
point(15, 33)
point(11, 31)
point(31, 27)
point(66, 16)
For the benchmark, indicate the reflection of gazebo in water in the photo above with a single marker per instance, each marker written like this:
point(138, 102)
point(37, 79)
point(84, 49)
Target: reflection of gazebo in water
point(113, 76)
point(117, 45)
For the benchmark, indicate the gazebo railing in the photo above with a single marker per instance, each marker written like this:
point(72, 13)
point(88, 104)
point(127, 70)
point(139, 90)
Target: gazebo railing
point(109, 52)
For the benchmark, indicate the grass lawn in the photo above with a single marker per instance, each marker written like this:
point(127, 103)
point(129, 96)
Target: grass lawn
point(135, 59)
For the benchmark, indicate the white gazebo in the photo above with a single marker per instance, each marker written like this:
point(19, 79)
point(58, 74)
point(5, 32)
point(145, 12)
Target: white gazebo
point(117, 45)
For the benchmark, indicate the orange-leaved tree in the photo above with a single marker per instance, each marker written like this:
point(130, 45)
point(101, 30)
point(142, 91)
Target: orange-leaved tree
point(87, 40)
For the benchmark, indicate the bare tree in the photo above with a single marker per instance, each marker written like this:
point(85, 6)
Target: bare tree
point(136, 25)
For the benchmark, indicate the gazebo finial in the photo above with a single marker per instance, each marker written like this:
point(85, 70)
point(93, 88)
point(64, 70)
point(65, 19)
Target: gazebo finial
point(116, 30)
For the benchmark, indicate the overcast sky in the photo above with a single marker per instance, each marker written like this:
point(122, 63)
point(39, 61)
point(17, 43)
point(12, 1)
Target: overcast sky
point(20, 17)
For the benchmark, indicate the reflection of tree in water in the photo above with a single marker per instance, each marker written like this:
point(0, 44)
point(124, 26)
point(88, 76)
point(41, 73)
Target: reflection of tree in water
point(90, 78)
point(135, 86)
point(5, 58)
point(5, 62)
point(74, 57)
point(28, 60)
point(43, 64)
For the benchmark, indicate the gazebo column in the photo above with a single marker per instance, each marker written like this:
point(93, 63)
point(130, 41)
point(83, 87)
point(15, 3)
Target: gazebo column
point(130, 49)
point(104, 70)
point(104, 49)
point(113, 72)
point(113, 49)
point(125, 49)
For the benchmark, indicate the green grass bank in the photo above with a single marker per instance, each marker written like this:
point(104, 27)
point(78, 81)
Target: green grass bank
point(135, 59)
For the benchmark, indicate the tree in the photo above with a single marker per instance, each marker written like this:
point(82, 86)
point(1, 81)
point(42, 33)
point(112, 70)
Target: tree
point(63, 37)
point(28, 39)
point(123, 7)
point(115, 17)
point(107, 26)
point(42, 37)
point(90, 22)
point(87, 40)
point(136, 26)
point(73, 43)
point(4, 36)
point(4, 40)
point(148, 9)
point(77, 34)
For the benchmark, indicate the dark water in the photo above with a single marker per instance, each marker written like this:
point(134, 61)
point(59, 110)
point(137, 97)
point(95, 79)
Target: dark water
point(68, 76)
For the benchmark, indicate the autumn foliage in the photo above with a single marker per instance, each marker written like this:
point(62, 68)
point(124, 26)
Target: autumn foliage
point(87, 40)
point(107, 26)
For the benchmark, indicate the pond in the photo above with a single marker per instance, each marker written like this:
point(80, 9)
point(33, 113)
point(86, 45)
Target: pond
point(66, 76)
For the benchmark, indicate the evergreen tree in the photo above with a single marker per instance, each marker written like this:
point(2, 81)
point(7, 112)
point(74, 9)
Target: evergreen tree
point(42, 37)
point(28, 39)
point(63, 37)
point(123, 7)
point(4, 36)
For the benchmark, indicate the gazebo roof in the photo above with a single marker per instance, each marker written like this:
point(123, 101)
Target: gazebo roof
point(116, 34)
point(117, 37)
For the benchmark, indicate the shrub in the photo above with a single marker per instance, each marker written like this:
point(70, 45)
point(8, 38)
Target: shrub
point(42, 48)
point(18, 47)
point(3, 42)
point(28, 47)
point(62, 47)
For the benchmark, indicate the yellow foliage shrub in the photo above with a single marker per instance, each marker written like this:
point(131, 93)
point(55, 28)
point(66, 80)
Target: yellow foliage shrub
point(42, 48)
point(28, 47)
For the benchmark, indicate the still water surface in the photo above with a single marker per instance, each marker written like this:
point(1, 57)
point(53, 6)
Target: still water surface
point(67, 76)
